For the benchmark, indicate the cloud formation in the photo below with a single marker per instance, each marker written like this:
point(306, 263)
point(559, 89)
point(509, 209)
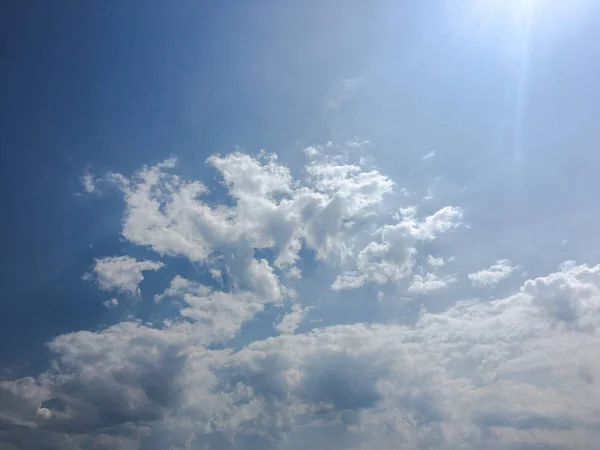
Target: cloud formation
point(515, 372)
point(497, 374)
point(391, 257)
point(493, 274)
point(121, 273)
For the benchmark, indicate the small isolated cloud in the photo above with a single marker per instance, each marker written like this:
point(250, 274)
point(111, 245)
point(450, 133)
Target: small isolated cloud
point(429, 283)
point(121, 273)
point(311, 152)
point(291, 321)
point(493, 274)
point(88, 183)
point(428, 156)
point(112, 303)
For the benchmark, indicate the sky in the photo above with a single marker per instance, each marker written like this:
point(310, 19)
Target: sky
point(273, 225)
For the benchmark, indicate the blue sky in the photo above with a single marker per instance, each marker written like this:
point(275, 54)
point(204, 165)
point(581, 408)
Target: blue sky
point(279, 224)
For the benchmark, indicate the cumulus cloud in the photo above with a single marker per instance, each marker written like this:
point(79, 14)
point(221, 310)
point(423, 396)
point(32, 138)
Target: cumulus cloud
point(272, 210)
point(391, 257)
point(493, 274)
point(494, 374)
point(500, 373)
point(291, 321)
point(215, 315)
point(435, 262)
point(121, 273)
point(430, 282)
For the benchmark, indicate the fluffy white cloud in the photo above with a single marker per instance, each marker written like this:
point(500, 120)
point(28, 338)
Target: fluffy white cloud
point(435, 262)
point(271, 211)
point(493, 274)
point(291, 321)
point(502, 373)
point(430, 282)
point(216, 315)
point(516, 372)
point(121, 273)
point(112, 303)
point(392, 256)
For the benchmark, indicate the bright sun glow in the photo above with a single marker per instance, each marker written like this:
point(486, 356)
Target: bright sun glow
point(517, 10)
point(520, 10)
point(563, 13)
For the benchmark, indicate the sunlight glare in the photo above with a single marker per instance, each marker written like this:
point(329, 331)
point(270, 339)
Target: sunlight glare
point(519, 11)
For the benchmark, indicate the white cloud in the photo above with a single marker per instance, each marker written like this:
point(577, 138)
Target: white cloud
point(89, 183)
point(429, 283)
point(291, 321)
point(272, 210)
point(493, 274)
point(112, 303)
point(216, 315)
point(294, 273)
point(392, 256)
point(435, 262)
point(500, 373)
point(505, 373)
point(216, 274)
point(429, 155)
point(121, 273)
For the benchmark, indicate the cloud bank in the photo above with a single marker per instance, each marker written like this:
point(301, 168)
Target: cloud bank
point(517, 372)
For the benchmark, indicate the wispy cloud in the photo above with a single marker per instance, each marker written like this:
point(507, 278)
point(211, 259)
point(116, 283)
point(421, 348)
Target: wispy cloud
point(493, 274)
point(428, 156)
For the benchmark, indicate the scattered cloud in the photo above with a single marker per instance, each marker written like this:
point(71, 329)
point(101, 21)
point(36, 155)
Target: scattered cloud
point(428, 156)
point(112, 303)
point(492, 374)
point(435, 262)
point(89, 184)
point(500, 373)
point(271, 209)
point(493, 274)
point(391, 257)
point(290, 322)
point(121, 273)
point(429, 283)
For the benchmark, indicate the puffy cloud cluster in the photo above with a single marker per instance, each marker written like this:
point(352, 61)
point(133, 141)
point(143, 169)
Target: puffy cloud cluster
point(392, 256)
point(493, 274)
point(517, 372)
point(271, 210)
point(291, 321)
point(430, 282)
point(121, 273)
